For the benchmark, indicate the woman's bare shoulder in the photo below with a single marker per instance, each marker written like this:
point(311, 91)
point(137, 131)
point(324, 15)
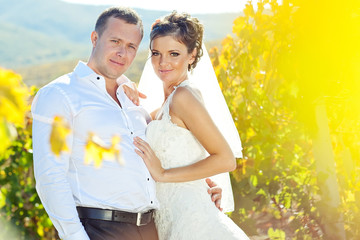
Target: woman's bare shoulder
point(187, 94)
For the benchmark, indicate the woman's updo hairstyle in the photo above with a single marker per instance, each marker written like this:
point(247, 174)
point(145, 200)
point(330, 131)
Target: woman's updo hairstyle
point(184, 28)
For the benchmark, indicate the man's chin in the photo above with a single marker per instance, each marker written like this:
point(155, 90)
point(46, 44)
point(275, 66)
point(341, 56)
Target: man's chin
point(119, 71)
point(115, 74)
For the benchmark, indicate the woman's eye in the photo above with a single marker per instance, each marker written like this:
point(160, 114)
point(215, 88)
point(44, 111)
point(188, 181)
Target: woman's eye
point(174, 54)
point(154, 54)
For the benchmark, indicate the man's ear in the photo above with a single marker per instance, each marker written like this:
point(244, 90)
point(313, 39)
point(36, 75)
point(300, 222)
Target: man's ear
point(94, 38)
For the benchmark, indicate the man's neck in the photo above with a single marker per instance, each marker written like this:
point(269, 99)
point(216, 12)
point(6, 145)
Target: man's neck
point(111, 88)
point(110, 84)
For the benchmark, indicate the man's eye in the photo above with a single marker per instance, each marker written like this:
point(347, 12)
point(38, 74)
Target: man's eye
point(115, 41)
point(175, 54)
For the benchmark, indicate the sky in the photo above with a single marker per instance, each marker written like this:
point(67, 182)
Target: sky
point(189, 6)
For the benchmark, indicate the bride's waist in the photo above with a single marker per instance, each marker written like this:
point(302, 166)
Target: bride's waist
point(175, 162)
point(183, 186)
point(168, 193)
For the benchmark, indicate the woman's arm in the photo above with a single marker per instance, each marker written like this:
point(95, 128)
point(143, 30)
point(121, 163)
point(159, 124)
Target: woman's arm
point(133, 94)
point(187, 111)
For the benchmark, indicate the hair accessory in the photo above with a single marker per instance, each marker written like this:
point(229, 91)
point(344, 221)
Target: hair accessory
point(155, 23)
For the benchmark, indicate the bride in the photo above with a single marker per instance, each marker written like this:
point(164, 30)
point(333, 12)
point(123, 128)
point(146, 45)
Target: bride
point(184, 145)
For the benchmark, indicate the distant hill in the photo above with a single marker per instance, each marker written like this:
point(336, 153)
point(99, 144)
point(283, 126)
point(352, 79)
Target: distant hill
point(43, 39)
point(43, 31)
point(42, 74)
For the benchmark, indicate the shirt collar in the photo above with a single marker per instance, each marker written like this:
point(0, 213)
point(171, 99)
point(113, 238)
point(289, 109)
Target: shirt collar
point(84, 71)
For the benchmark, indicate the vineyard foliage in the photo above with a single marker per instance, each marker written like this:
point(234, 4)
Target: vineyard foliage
point(283, 65)
point(290, 75)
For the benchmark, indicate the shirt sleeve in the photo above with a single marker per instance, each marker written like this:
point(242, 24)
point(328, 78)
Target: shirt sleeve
point(50, 171)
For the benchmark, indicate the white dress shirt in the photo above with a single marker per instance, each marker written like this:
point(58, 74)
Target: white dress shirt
point(66, 182)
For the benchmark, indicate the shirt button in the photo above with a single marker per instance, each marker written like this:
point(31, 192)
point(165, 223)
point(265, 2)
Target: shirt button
point(151, 202)
point(98, 78)
point(148, 179)
point(132, 133)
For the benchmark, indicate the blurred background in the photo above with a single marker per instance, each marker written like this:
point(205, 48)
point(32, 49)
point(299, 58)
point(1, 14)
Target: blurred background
point(289, 71)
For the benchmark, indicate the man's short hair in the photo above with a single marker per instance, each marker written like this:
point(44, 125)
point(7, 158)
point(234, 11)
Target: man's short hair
point(124, 13)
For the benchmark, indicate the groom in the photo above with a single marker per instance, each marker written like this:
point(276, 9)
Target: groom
point(83, 202)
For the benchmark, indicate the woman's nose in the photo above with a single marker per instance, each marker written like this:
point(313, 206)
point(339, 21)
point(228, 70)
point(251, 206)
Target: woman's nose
point(163, 61)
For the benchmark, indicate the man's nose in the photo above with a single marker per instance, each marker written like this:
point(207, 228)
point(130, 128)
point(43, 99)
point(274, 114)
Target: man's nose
point(121, 51)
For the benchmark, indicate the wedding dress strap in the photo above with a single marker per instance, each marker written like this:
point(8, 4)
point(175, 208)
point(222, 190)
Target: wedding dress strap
point(166, 107)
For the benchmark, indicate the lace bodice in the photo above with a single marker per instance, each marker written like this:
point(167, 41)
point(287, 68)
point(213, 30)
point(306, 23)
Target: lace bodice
point(175, 146)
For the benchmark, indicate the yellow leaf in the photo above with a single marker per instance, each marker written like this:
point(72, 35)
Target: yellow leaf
point(259, 75)
point(7, 134)
point(58, 135)
point(2, 200)
point(239, 24)
point(266, 55)
point(96, 150)
point(13, 94)
point(249, 10)
point(228, 41)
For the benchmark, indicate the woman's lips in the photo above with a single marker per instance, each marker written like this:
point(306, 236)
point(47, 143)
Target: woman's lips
point(165, 71)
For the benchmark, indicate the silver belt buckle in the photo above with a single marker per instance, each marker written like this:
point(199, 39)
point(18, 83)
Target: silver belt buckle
point(138, 220)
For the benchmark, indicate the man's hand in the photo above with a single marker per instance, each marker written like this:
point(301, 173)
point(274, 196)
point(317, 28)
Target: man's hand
point(133, 94)
point(216, 193)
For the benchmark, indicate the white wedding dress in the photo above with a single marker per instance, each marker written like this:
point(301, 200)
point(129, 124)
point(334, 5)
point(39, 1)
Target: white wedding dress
point(186, 210)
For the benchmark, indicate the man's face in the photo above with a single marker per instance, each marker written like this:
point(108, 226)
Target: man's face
point(114, 51)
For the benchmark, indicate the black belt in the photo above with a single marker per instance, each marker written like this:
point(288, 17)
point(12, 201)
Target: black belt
point(139, 219)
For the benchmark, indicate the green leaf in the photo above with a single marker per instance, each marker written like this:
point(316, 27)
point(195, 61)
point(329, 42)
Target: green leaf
point(276, 234)
point(253, 180)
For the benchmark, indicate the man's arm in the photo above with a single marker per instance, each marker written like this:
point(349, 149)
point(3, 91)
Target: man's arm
point(215, 193)
point(50, 171)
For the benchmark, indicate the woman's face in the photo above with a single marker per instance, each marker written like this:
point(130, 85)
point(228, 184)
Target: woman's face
point(170, 59)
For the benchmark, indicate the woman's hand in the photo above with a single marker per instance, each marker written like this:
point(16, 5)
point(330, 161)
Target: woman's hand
point(133, 94)
point(152, 162)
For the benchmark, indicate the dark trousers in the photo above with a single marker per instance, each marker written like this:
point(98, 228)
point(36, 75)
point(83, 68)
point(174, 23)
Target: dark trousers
point(108, 230)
